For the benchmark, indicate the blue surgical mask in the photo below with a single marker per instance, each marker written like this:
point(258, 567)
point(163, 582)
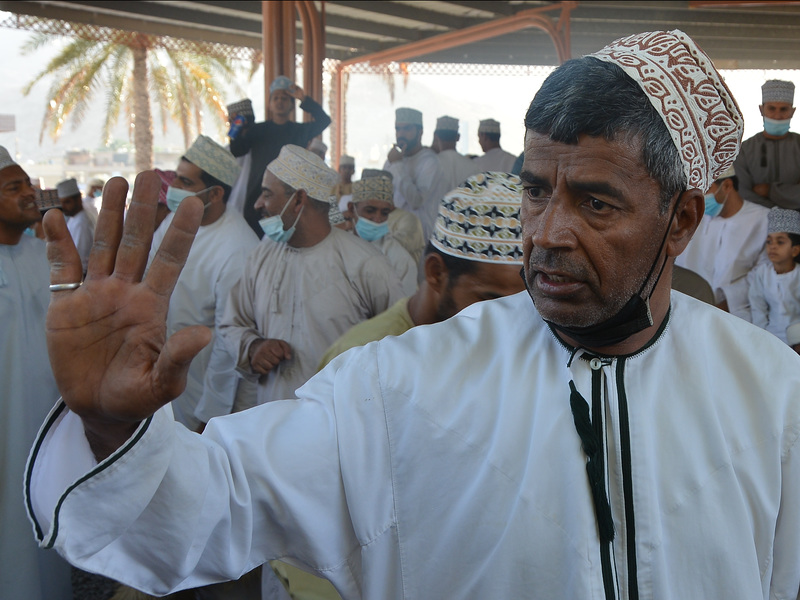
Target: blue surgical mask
point(712, 206)
point(776, 127)
point(176, 195)
point(98, 194)
point(371, 231)
point(273, 226)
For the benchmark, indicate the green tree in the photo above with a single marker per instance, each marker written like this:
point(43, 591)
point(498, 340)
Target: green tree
point(135, 71)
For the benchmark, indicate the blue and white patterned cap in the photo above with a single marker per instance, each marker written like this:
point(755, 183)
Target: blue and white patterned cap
point(783, 220)
point(215, 160)
point(301, 169)
point(479, 220)
point(280, 83)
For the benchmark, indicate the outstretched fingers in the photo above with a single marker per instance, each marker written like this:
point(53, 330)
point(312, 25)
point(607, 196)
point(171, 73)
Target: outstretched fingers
point(134, 246)
point(171, 255)
point(109, 229)
point(65, 263)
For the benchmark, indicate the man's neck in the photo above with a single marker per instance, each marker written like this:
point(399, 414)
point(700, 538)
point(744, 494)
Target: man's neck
point(280, 119)
point(213, 214)
point(309, 234)
point(775, 137)
point(732, 206)
point(421, 307)
point(10, 236)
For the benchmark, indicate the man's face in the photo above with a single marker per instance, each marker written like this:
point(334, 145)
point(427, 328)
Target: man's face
point(93, 190)
point(18, 208)
point(376, 211)
point(483, 141)
point(281, 104)
point(591, 226)
point(346, 173)
point(408, 136)
point(189, 177)
point(273, 199)
point(72, 205)
point(486, 282)
point(779, 111)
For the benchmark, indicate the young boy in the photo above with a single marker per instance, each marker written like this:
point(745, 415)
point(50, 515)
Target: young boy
point(775, 286)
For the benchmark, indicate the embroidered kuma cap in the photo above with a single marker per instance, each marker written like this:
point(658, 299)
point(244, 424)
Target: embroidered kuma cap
point(335, 216)
point(447, 124)
point(243, 108)
point(215, 160)
point(489, 126)
point(281, 82)
point(374, 185)
point(67, 188)
point(680, 81)
point(777, 90)
point(347, 161)
point(408, 116)
point(5, 159)
point(479, 220)
point(301, 169)
point(783, 220)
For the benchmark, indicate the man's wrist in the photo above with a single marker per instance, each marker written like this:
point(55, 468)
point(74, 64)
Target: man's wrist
point(106, 437)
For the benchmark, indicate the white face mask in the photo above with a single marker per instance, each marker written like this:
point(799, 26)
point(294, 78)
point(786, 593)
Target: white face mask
point(176, 195)
point(273, 226)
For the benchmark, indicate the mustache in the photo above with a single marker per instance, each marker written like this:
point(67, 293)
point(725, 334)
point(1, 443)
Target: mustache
point(542, 259)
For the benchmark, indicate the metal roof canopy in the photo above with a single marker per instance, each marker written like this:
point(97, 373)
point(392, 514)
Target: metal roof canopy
point(755, 35)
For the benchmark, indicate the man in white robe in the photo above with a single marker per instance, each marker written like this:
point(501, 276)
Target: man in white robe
point(610, 439)
point(418, 180)
point(728, 245)
point(494, 157)
point(303, 286)
point(373, 202)
point(28, 388)
point(455, 167)
point(214, 265)
point(80, 226)
point(768, 165)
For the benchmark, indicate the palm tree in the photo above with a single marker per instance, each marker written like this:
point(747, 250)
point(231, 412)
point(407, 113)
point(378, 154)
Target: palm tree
point(134, 70)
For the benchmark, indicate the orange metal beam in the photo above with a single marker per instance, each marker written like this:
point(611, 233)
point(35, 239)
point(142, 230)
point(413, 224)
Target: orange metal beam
point(559, 32)
point(278, 42)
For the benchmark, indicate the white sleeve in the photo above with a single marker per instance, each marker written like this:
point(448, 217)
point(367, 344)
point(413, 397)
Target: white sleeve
point(173, 510)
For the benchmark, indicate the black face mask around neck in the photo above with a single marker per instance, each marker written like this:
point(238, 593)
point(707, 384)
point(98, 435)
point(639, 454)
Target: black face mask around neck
point(632, 318)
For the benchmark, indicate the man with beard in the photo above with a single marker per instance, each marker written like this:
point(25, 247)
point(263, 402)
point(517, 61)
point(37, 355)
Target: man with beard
point(610, 439)
point(419, 183)
point(464, 263)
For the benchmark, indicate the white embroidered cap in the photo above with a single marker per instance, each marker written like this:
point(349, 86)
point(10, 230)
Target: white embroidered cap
point(5, 159)
point(783, 220)
point(489, 126)
point(680, 80)
point(410, 116)
point(447, 124)
point(374, 185)
point(479, 220)
point(213, 159)
point(347, 161)
point(776, 90)
point(67, 188)
point(301, 169)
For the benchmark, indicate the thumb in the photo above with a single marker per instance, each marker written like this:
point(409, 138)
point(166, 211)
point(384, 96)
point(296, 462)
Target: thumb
point(176, 356)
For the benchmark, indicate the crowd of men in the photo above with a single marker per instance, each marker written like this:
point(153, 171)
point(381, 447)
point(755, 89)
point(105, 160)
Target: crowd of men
point(541, 416)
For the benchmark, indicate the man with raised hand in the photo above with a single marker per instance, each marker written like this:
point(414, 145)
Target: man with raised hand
point(597, 437)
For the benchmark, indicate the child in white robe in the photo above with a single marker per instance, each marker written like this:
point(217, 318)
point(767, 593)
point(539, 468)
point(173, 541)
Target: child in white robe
point(775, 286)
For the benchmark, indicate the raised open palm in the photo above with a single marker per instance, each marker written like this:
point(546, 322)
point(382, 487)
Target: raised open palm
point(107, 339)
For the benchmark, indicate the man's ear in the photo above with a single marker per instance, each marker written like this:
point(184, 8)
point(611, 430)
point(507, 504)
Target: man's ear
point(689, 213)
point(436, 273)
point(301, 198)
point(216, 194)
